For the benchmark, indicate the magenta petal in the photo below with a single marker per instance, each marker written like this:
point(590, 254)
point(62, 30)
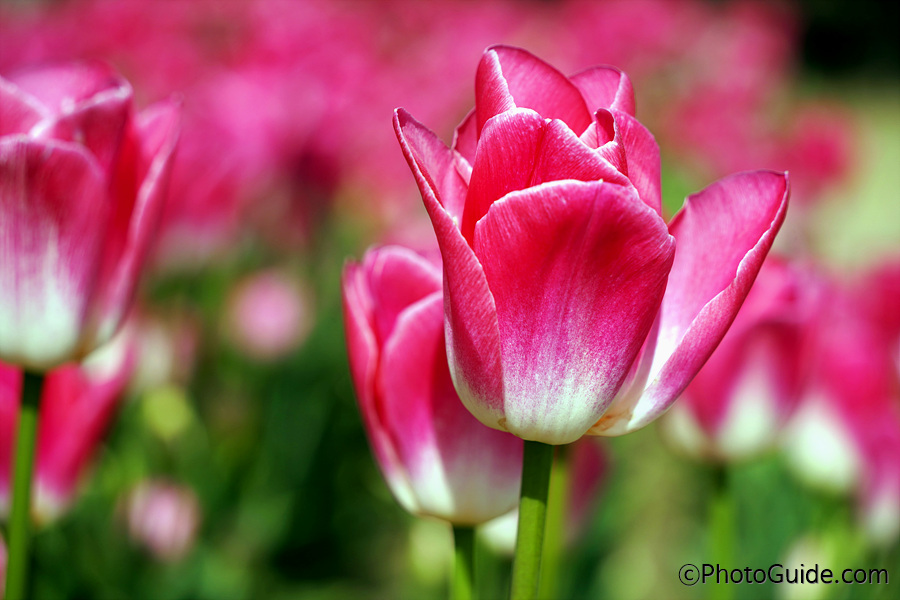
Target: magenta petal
point(439, 165)
point(363, 354)
point(578, 271)
point(473, 338)
point(605, 87)
point(642, 154)
point(724, 233)
point(461, 470)
point(18, 111)
point(510, 77)
point(465, 138)
point(519, 150)
point(62, 88)
point(133, 230)
point(54, 214)
point(398, 277)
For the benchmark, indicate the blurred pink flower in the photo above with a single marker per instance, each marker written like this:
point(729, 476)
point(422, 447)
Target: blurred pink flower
point(568, 311)
point(164, 518)
point(76, 408)
point(743, 396)
point(846, 434)
point(268, 315)
point(437, 458)
point(82, 182)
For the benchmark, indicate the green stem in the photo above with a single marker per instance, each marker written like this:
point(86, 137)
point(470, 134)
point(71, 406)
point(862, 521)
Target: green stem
point(464, 571)
point(537, 462)
point(555, 531)
point(20, 516)
point(722, 531)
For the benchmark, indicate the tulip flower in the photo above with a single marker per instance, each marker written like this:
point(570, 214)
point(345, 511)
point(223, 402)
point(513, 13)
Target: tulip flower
point(163, 517)
point(744, 395)
point(437, 459)
point(77, 405)
point(568, 308)
point(82, 182)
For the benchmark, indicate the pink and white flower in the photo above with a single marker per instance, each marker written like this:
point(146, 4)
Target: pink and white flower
point(82, 182)
point(437, 458)
point(568, 310)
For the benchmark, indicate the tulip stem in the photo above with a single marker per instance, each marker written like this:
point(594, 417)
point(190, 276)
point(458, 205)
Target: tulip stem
point(464, 570)
point(537, 462)
point(20, 517)
point(722, 530)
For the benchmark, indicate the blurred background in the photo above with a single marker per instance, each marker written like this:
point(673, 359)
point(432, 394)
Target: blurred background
point(235, 464)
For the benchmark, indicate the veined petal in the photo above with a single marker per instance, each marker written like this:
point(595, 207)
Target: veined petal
point(470, 317)
point(510, 77)
point(19, 112)
point(459, 467)
point(605, 87)
point(54, 214)
point(518, 150)
point(724, 233)
point(578, 271)
point(465, 137)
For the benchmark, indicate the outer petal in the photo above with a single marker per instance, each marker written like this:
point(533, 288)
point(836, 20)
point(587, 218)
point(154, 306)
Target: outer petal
point(54, 213)
point(363, 354)
point(461, 470)
point(10, 393)
point(577, 271)
point(61, 88)
point(605, 87)
point(510, 77)
point(519, 150)
point(724, 233)
point(473, 336)
point(134, 227)
point(465, 138)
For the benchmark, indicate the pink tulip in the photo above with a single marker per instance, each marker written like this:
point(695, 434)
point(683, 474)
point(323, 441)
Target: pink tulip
point(845, 436)
point(744, 395)
point(81, 187)
point(567, 308)
point(76, 408)
point(437, 459)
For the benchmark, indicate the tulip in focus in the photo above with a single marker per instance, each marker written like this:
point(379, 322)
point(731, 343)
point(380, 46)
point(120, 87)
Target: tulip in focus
point(164, 518)
point(437, 458)
point(569, 310)
point(76, 408)
point(82, 181)
point(739, 402)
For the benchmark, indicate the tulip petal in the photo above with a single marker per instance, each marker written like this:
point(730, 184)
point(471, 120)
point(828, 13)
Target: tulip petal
point(578, 271)
point(519, 150)
point(643, 159)
point(19, 112)
point(605, 87)
point(473, 336)
point(133, 228)
point(450, 456)
point(465, 138)
point(362, 351)
point(510, 77)
point(54, 214)
point(724, 233)
point(61, 88)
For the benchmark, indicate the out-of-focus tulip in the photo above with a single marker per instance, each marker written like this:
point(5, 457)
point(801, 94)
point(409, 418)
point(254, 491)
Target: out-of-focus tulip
point(268, 315)
point(845, 436)
point(436, 457)
point(76, 408)
point(82, 181)
point(163, 517)
point(743, 396)
point(568, 310)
